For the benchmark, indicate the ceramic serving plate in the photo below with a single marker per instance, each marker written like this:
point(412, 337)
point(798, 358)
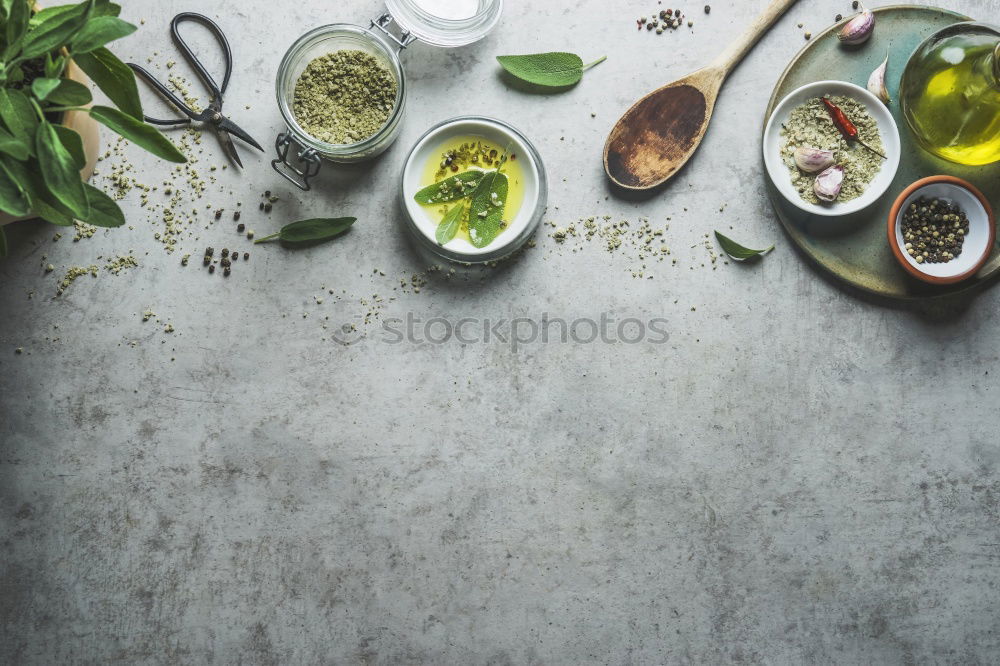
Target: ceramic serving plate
point(853, 248)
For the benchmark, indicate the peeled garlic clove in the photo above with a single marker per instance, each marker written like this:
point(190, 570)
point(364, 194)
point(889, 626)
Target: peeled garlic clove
point(859, 28)
point(812, 160)
point(876, 82)
point(826, 187)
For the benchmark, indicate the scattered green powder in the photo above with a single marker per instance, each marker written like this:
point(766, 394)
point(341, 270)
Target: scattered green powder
point(810, 125)
point(72, 274)
point(120, 263)
point(83, 230)
point(344, 97)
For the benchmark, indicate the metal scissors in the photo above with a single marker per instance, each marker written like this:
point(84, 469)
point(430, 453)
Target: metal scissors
point(211, 116)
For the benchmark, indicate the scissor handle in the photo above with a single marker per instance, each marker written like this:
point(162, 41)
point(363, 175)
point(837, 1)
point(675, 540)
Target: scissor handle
point(214, 28)
point(169, 94)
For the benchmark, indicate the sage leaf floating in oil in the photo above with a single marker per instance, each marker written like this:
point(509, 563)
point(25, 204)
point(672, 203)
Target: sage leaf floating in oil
point(737, 251)
point(451, 188)
point(448, 227)
point(487, 207)
point(550, 70)
point(310, 231)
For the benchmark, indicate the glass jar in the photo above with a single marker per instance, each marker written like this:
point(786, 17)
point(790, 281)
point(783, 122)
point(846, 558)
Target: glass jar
point(445, 23)
point(950, 93)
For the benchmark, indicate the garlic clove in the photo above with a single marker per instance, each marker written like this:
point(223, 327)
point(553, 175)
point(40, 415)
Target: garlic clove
point(859, 28)
point(827, 185)
point(876, 82)
point(812, 160)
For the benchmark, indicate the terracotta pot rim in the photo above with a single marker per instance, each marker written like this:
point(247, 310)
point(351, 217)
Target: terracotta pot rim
point(898, 251)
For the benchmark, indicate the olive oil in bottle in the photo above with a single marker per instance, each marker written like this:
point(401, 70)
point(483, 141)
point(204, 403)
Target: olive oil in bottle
point(950, 94)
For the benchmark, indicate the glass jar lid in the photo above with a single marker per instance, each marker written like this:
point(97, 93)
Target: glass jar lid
point(447, 23)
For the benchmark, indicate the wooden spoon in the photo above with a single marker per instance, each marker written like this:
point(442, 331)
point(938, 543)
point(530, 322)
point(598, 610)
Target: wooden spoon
point(661, 131)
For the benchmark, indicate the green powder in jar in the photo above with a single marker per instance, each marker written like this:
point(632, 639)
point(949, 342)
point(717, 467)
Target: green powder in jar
point(344, 97)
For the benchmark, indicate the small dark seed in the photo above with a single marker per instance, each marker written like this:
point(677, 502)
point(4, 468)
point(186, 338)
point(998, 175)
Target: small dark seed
point(246, 256)
point(218, 214)
point(267, 208)
point(838, 18)
point(261, 206)
point(854, 5)
point(236, 256)
point(236, 216)
point(227, 271)
point(267, 193)
point(225, 252)
point(240, 227)
point(211, 269)
point(708, 9)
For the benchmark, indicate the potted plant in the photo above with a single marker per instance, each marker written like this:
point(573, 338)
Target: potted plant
point(46, 117)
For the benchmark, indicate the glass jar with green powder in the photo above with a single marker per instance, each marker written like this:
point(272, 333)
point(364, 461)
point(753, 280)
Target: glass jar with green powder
point(342, 89)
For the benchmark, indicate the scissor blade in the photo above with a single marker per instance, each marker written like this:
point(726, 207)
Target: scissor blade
point(230, 148)
point(231, 127)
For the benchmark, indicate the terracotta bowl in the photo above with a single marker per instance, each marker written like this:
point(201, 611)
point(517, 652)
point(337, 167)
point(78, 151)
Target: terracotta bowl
point(978, 241)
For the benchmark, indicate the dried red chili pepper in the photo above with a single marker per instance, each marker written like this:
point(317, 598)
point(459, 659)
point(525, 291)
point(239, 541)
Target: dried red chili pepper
point(844, 124)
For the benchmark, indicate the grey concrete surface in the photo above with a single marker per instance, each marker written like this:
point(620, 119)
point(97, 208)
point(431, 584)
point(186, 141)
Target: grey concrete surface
point(798, 475)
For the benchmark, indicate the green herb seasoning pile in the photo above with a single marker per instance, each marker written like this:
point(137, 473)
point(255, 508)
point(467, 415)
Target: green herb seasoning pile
point(809, 126)
point(934, 230)
point(344, 97)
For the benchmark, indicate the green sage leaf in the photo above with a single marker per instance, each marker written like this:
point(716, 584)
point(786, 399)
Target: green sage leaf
point(138, 132)
point(70, 93)
point(551, 70)
point(58, 168)
point(43, 204)
point(452, 188)
point(72, 142)
point(114, 78)
point(18, 114)
point(448, 227)
point(311, 231)
point(737, 251)
point(13, 198)
point(17, 24)
point(53, 32)
point(486, 209)
point(99, 31)
point(104, 212)
point(41, 87)
point(13, 146)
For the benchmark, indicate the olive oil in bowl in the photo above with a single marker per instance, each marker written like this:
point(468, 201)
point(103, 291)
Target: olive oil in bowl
point(950, 94)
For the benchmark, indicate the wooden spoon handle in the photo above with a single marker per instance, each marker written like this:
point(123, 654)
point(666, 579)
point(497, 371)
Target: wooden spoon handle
point(738, 49)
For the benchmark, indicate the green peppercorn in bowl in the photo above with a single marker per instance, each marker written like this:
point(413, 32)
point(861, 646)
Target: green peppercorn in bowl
point(800, 122)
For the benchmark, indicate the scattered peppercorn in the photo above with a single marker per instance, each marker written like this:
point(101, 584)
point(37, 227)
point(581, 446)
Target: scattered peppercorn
point(211, 269)
point(227, 271)
point(225, 252)
point(240, 227)
point(838, 18)
point(708, 9)
point(267, 208)
point(218, 214)
point(246, 256)
point(261, 206)
point(854, 5)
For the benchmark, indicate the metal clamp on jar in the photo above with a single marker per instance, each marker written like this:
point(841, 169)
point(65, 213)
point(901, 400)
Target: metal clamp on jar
point(445, 23)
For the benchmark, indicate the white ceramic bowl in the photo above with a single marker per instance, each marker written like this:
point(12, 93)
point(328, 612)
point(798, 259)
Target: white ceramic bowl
point(423, 224)
point(978, 242)
point(778, 172)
